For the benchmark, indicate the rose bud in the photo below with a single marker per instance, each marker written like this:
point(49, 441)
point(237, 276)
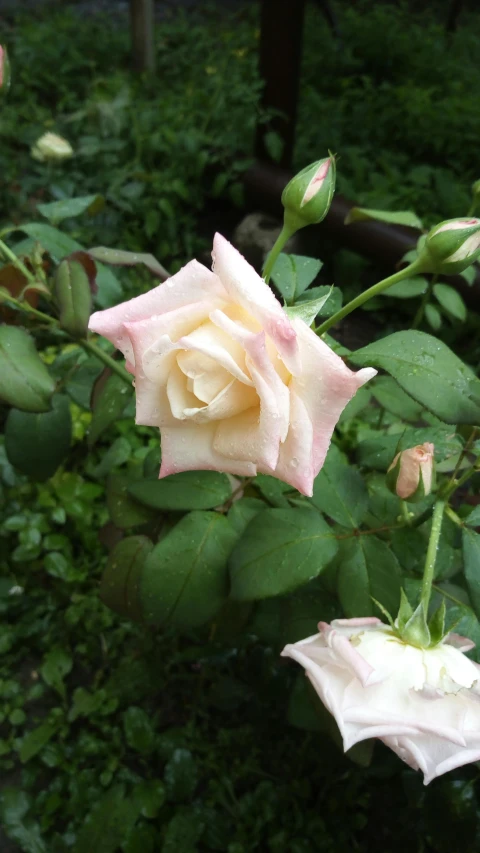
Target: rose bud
point(232, 382)
point(452, 246)
point(51, 147)
point(4, 69)
point(423, 703)
point(73, 297)
point(308, 196)
point(410, 475)
point(476, 188)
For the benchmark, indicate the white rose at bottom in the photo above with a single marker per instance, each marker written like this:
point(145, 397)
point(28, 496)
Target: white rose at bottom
point(422, 703)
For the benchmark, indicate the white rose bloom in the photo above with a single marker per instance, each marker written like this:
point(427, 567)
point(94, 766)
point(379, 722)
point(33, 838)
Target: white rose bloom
point(422, 703)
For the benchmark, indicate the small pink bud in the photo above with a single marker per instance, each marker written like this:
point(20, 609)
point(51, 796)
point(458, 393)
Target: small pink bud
point(410, 476)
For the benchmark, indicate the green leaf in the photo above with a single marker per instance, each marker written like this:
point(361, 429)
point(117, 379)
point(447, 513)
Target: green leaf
point(433, 317)
point(339, 490)
point(35, 740)
point(388, 393)
point(333, 304)
point(57, 211)
point(273, 490)
point(120, 584)
point(124, 511)
point(308, 310)
point(109, 822)
point(398, 217)
point(292, 274)
point(150, 795)
point(59, 245)
point(280, 550)
point(117, 454)
point(242, 512)
point(185, 491)
point(367, 569)
point(109, 405)
point(451, 301)
point(181, 776)
point(469, 274)
point(357, 404)
point(429, 371)
point(36, 444)
point(473, 520)
point(409, 288)
point(56, 665)
point(80, 382)
point(471, 558)
point(185, 579)
point(19, 828)
point(24, 380)
point(138, 729)
point(121, 258)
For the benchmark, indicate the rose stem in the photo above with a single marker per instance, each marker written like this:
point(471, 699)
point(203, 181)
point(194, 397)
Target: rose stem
point(282, 238)
point(431, 557)
point(412, 269)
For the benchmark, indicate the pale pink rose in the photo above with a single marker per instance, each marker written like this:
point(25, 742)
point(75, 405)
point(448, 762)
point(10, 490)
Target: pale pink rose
point(414, 464)
point(422, 703)
point(233, 384)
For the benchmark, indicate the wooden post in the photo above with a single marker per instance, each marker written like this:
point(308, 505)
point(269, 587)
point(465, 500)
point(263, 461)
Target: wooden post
point(142, 33)
point(280, 56)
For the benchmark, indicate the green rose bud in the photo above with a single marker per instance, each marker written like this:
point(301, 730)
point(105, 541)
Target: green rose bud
point(452, 246)
point(73, 297)
point(308, 196)
point(476, 188)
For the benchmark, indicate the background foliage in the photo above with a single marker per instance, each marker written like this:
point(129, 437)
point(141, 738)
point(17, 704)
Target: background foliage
point(116, 737)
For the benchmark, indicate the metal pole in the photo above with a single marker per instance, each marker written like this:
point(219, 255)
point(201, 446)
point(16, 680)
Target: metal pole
point(142, 34)
point(280, 56)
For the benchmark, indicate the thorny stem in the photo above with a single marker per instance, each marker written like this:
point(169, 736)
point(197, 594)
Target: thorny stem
point(425, 300)
point(431, 557)
point(282, 238)
point(375, 290)
point(108, 361)
point(87, 345)
point(7, 253)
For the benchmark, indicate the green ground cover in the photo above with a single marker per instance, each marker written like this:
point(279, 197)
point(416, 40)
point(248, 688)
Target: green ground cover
point(113, 737)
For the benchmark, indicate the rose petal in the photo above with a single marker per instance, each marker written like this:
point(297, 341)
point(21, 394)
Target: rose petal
point(245, 287)
point(189, 447)
point(192, 284)
point(325, 386)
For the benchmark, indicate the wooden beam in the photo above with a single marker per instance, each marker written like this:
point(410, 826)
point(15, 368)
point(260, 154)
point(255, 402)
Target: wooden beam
point(142, 34)
point(280, 57)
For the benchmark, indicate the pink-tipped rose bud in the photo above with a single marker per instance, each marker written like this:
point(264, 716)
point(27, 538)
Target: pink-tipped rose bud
point(410, 475)
point(4, 69)
point(452, 246)
point(308, 196)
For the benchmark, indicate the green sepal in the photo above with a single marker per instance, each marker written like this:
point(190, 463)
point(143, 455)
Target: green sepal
point(416, 631)
point(436, 624)
point(392, 476)
point(405, 612)
point(384, 611)
point(307, 310)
